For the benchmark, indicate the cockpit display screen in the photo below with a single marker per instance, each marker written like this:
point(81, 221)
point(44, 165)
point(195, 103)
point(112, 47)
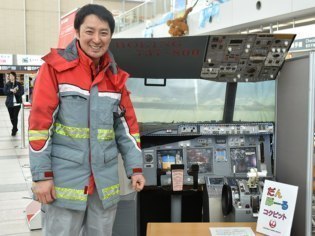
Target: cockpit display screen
point(166, 158)
point(243, 159)
point(201, 156)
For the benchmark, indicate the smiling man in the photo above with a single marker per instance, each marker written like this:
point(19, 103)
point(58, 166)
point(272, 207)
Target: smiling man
point(81, 118)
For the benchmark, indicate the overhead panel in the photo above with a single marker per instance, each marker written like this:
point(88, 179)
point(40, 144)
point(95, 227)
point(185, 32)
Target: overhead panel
point(180, 57)
point(245, 58)
point(221, 58)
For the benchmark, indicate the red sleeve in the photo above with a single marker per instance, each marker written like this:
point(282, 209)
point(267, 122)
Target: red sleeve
point(44, 104)
point(130, 115)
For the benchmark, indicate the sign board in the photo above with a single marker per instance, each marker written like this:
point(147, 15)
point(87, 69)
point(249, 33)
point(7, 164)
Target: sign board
point(67, 32)
point(303, 44)
point(29, 60)
point(6, 59)
point(19, 68)
point(277, 209)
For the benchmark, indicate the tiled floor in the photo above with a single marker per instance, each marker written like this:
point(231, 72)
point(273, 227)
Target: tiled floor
point(15, 177)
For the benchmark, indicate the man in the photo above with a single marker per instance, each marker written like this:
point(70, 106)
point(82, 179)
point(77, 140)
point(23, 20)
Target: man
point(81, 118)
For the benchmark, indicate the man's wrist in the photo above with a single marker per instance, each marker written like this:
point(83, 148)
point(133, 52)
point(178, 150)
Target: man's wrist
point(47, 175)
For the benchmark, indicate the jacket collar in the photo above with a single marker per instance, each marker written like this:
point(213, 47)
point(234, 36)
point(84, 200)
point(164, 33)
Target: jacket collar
point(64, 59)
point(72, 55)
point(87, 62)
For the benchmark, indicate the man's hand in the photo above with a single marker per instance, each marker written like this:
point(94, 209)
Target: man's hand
point(137, 182)
point(44, 191)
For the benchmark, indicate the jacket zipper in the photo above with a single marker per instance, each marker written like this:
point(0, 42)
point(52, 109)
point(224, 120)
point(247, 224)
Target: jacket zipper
point(89, 125)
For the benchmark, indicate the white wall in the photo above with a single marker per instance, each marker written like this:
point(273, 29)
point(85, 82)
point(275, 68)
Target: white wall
point(302, 32)
point(298, 5)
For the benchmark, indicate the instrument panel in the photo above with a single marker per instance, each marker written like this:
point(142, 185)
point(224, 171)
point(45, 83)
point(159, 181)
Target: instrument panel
point(221, 58)
point(245, 58)
point(224, 150)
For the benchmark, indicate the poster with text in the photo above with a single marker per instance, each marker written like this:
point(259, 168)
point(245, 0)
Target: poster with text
point(277, 209)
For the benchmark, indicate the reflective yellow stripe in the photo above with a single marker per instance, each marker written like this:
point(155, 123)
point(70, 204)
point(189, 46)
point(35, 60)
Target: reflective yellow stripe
point(70, 194)
point(34, 135)
point(136, 136)
point(110, 191)
point(72, 132)
point(79, 133)
point(105, 134)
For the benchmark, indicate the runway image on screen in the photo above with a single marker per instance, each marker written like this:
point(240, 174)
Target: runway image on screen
point(166, 158)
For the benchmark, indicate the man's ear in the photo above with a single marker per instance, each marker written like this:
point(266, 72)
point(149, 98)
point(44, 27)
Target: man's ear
point(77, 34)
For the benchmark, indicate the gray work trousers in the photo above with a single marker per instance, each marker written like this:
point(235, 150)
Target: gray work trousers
point(94, 221)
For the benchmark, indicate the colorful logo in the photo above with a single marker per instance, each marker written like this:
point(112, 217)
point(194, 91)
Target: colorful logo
point(272, 223)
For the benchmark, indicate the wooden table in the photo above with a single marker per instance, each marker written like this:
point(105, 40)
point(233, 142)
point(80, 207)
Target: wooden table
point(192, 229)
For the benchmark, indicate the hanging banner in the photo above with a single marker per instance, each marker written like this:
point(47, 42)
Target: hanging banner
point(276, 209)
point(179, 7)
point(67, 32)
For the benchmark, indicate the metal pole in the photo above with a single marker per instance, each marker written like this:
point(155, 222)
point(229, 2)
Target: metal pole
point(176, 208)
point(22, 127)
point(25, 30)
point(59, 13)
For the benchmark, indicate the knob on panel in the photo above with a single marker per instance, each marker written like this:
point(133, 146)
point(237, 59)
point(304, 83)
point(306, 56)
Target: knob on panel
point(148, 158)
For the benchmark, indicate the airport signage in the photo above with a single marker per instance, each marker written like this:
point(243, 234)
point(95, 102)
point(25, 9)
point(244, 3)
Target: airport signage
point(6, 59)
point(303, 44)
point(276, 209)
point(29, 60)
point(18, 68)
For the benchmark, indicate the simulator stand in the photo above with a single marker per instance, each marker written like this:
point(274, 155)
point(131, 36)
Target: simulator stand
point(177, 175)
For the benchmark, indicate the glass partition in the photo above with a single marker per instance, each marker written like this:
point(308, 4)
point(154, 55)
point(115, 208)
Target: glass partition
point(181, 100)
point(255, 102)
point(196, 100)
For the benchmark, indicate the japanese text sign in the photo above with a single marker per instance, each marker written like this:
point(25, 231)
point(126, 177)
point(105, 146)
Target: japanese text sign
point(277, 208)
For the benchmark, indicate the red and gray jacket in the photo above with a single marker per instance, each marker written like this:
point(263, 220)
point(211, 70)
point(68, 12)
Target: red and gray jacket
point(79, 121)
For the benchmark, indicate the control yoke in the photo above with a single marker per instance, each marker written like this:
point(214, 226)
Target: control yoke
point(193, 171)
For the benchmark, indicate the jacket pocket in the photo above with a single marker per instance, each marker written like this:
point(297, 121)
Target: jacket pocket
point(68, 154)
point(111, 158)
point(107, 107)
point(73, 109)
point(72, 97)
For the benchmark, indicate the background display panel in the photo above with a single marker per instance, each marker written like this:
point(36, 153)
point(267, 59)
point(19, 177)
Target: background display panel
point(243, 159)
point(201, 156)
point(166, 158)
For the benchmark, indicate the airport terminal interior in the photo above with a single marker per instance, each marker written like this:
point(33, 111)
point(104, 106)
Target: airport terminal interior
point(224, 94)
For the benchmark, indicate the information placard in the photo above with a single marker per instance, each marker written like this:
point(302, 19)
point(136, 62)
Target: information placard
point(231, 231)
point(277, 209)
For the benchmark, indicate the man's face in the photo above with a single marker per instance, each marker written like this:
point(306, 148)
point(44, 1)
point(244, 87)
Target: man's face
point(11, 78)
point(94, 36)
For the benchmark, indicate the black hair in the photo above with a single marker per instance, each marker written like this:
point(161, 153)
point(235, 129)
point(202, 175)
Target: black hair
point(100, 11)
point(13, 73)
